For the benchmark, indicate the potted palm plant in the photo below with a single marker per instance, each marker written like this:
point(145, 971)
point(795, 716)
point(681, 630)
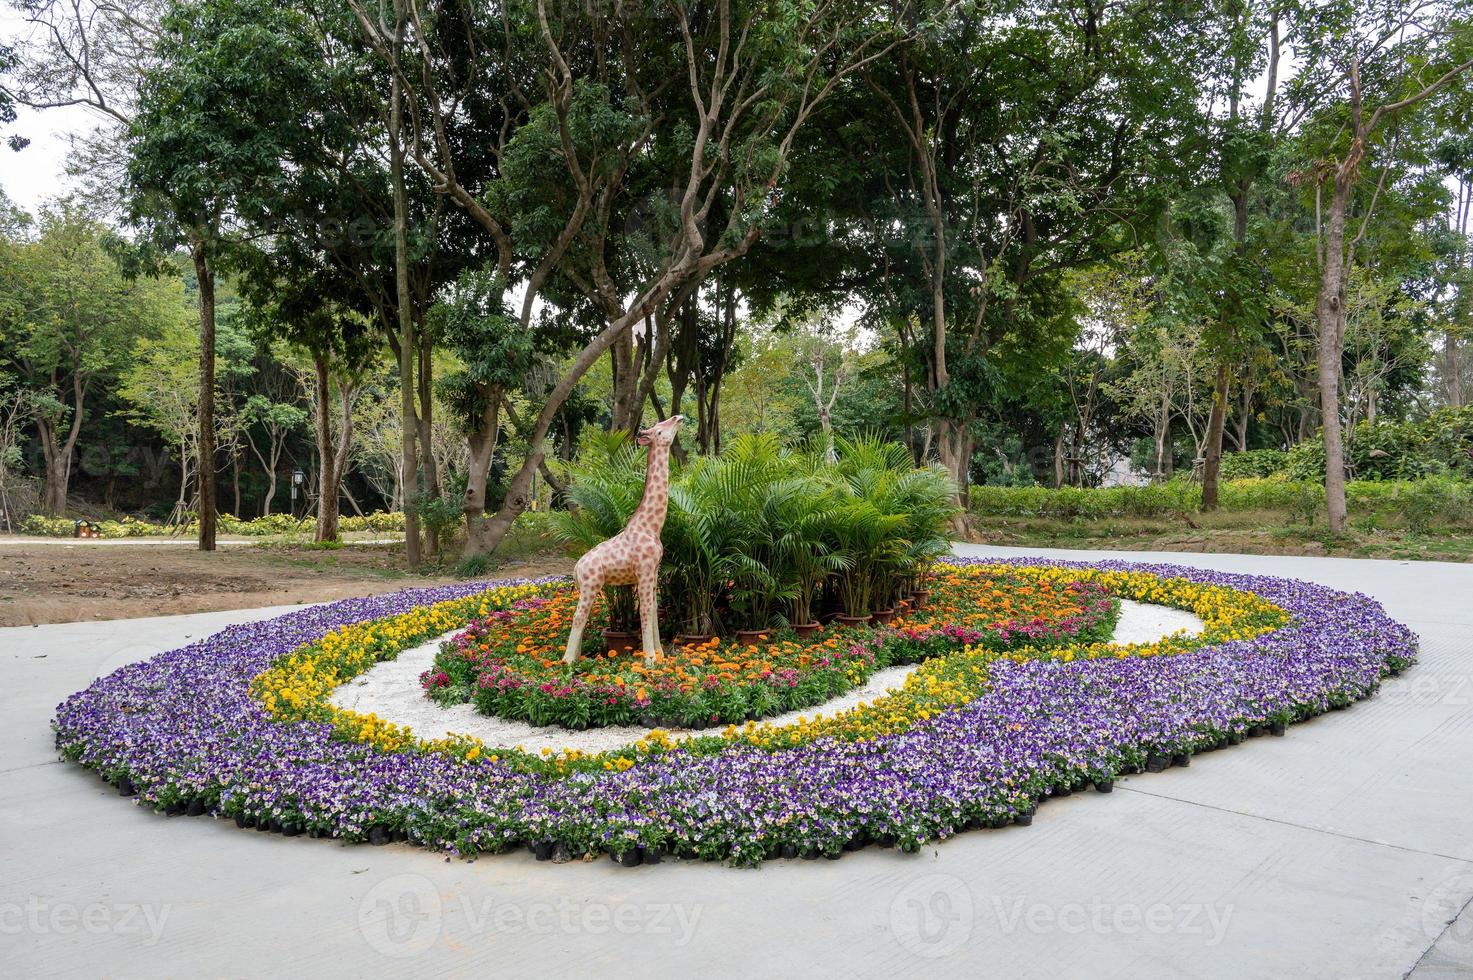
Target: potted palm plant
point(803, 508)
point(698, 558)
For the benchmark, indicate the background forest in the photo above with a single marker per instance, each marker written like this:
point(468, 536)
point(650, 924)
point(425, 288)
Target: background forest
point(333, 260)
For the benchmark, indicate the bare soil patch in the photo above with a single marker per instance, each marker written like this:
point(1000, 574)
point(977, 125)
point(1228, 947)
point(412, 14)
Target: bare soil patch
point(54, 582)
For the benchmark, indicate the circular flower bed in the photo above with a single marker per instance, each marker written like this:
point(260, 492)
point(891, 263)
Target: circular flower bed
point(239, 725)
point(510, 662)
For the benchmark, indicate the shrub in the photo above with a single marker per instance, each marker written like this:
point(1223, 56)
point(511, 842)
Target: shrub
point(1254, 462)
point(380, 521)
point(1440, 444)
point(1175, 496)
point(128, 527)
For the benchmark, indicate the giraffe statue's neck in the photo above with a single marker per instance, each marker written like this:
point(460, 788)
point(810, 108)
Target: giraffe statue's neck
point(650, 514)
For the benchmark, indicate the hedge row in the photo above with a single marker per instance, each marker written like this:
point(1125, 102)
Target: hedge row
point(1419, 504)
point(65, 527)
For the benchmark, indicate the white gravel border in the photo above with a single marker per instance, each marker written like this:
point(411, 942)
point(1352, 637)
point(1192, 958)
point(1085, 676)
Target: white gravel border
point(391, 691)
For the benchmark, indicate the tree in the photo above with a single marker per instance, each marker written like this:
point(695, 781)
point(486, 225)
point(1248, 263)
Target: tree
point(68, 319)
point(1381, 65)
point(495, 355)
point(747, 84)
point(207, 135)
point(1004, 146)
point(275, 421)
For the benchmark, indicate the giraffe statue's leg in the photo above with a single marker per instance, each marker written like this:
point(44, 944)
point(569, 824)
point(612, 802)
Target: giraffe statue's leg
point(649, 617)
point(586, 593)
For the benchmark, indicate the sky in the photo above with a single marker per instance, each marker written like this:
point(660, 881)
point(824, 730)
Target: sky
point(38, 172)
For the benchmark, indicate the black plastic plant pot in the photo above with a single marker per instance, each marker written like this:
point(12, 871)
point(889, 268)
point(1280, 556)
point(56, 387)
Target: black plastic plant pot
point(1257, 731)
point(789, 851)
point(542, 850)
point(401, 835)
point(1023, 820)
point(834, 855)
point(174, 809)
point(1157, 763)
point(379, 836)
point(1063, 791)
point(1235, 738)
point(630, 858)
point(277, 826)
point(1105, 785)
point(126, 788)
point(240, 821)
point(653, 855)
point(196, 808)
point(1182, 759)
point(1277, 728)
point(291, 830)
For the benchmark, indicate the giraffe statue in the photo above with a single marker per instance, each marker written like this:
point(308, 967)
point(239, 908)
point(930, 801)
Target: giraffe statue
point(631, 557)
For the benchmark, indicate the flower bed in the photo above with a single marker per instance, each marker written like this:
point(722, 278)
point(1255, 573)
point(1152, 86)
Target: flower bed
point(509, 663)
point(975, 738)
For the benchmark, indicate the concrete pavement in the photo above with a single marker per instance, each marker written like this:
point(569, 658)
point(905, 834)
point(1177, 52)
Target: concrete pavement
point(1343, 849)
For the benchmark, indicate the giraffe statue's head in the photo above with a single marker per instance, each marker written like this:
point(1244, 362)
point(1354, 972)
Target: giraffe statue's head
point(662, 434)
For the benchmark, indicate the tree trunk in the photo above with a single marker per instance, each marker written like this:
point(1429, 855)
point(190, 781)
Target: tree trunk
point(1216, 422)
point(58, 468)
point(426, 427)
point(270, 491)
point(1329, 319)
point(1059, 457)
point(482, 445)
point(1454, 372)
point(206, 479)
point(426, 430)
point(407, 344)
point(327, 474)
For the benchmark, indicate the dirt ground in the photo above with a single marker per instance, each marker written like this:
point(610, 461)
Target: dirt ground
point(63, 581)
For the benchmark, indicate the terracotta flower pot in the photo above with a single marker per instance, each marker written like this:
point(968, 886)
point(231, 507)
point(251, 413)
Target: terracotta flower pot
point(751, 637)
point(918, 598)
point(620, 641)
point(883, 616)
point(806, 631)
point(854, 621)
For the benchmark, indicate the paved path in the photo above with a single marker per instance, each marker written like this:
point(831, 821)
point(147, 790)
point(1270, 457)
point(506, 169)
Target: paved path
point(1343, 849)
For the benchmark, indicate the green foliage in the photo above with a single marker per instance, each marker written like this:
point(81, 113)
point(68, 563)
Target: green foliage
point(1435, 502)
point(1254, 462)
point(439, 516)
point(1441, 443)
point(1176, 496)
point(753, 535)
point(275, 524)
